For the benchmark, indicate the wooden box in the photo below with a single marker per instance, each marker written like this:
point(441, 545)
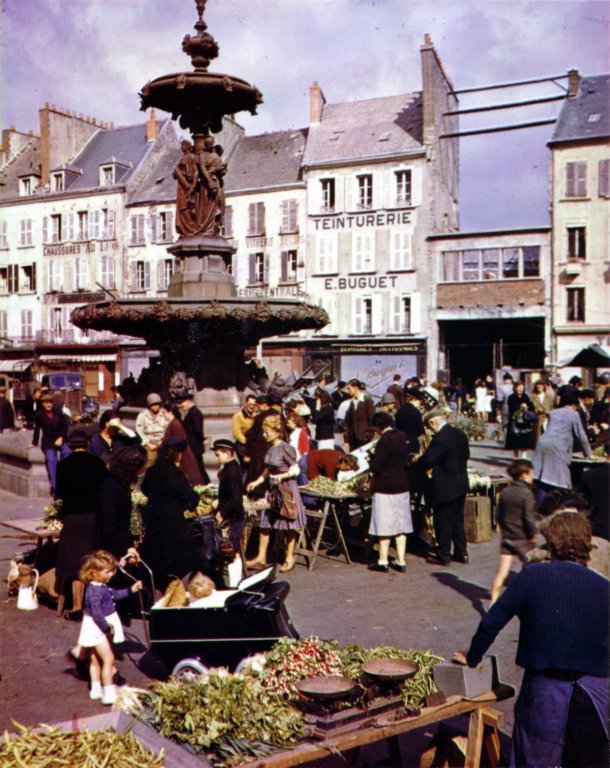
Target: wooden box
point(477, 519)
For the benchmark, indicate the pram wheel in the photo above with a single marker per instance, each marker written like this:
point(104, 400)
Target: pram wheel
point(189, 670)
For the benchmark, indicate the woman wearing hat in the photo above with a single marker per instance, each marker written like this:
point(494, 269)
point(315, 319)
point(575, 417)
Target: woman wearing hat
point(175, 431)
point(168, 546)
point(281, 471)
point(53, 425)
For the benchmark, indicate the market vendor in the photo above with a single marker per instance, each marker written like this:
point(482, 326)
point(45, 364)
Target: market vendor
point(561, 715)
point(230, 503)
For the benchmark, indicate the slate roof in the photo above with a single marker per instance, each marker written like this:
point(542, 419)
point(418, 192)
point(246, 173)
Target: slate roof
point(379, 127)
point(23, 164)
point(577, 119)
point(267, 160)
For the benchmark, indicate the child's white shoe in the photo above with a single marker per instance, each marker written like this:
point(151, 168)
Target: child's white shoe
point(96, 691)
point(109, 694)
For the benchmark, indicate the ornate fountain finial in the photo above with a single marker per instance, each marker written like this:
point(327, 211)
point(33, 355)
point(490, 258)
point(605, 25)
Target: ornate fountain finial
point(201, 48)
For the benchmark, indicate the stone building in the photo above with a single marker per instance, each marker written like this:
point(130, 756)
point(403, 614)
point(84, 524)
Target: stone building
point(580, 205)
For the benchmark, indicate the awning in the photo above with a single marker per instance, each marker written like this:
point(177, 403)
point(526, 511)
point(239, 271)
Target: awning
point(76, 358)
point(15, 366)
point(592, 356)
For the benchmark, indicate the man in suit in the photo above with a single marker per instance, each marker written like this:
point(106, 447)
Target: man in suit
point(192, 421)
point(396, 390)
point(447, 456)
point(358, 426)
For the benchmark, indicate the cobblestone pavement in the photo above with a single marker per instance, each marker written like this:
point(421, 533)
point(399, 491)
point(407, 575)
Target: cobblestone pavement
point(427, 607)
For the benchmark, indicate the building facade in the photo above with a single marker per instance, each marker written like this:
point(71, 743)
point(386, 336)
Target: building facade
point(580, 205)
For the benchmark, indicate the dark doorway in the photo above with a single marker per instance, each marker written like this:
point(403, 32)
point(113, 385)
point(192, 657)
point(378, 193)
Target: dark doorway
point(476, 347)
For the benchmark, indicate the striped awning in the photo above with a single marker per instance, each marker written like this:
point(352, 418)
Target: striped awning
point(15, 366)
point(77, 358)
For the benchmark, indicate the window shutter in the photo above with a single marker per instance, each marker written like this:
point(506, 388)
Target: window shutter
point(266, 269)
point(396, 313)
point(252, 219)
point(581, 180)
point(348, 191)
point(110, 232)
point(357, 314)
point(153, 228)
point(34, 276)
point(68, 227)
point(169, 235)
point(147, 275)
point(377, 314)
point(357, 253)
point(284, 266)
point(385, 183)
point(251, 268)
point(160, 275)
point(339, 194)
point(134, 275)
point(416, 312)
point(370, 252)
point(604, 178)
point(570, 190)
point(45, 229)
point(261, 218)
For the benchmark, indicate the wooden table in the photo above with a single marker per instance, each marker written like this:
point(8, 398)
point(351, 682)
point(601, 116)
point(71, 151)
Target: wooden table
point(32, 528)
point(309, 544)
point(388, 728)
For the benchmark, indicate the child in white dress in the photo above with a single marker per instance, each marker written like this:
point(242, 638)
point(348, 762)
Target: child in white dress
point(101, 622)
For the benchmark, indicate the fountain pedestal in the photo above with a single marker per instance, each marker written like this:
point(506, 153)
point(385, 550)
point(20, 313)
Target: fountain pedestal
point(202, 268)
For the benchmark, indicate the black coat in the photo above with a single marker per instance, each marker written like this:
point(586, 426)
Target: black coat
point(113, 517)
point(388, 465)
point(410, 422)
point(447, 456)
point(53, 425)
point(357, 425)
point(324, 419)
point(595, 484)
point(79, 477)
point(168, 546)
point(520, 435)
point(193, 426)
point(231, 492)
point(7, 415)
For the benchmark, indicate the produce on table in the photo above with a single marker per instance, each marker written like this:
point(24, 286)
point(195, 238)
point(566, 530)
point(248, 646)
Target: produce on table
point(52, 516)
point(207, 494)
point(329, 487)
point(292, 660)
point(52, 748)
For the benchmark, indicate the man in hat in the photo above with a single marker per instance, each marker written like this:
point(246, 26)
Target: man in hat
point(230, 504)
point(53, 425)
point(192, 421)
point(396, 390)
point(387, 404)
point(339, 395)
point(150, 427)
point(447, 456)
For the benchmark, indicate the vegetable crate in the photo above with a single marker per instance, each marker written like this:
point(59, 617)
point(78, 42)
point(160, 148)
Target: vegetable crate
point(222, 630)
point(477, 519)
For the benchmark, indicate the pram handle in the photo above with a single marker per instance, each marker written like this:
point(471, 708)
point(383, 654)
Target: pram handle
point(144, 614)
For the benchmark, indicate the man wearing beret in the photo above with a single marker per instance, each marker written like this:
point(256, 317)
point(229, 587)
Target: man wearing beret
point(447, 456)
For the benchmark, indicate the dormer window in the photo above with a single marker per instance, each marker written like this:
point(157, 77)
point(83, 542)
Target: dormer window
point(58, 182)
point(112, 171)
point(28, 185)
point(107, 175)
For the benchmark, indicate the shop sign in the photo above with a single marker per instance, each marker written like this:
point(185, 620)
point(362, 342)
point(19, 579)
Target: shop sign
point(377, 369)
point(74, 249)
point(359, 281)
point(416, 346)
point(280, 291)
point(360, 220)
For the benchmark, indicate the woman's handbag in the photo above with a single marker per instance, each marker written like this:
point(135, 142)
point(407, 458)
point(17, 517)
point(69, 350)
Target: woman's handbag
point(283, 502)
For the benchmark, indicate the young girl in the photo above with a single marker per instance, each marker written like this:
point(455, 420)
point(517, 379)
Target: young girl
point(517, 523)
point(100, 621)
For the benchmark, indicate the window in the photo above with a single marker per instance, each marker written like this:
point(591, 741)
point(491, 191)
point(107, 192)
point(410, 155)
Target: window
point(93, 225)
point(3, 281)
point(471, 265)
point(58, 182)
point(604, 178)
point(403, 187)
point(450, 266)
point(83, 228)
point(25, 187)
point(140, 276)
point(26, 324)
point(289, 260)
point(106, 263)
point(531, 260)
point(56, 275)
point(401, 314)
point(136, 231)
point(27, 278)
point(576, 304)
point(56, 321)
point(400, 250)
point(256, 217)
point(362, 315)
point(258, 269)
point(228, 222)
point(13, 278)
point(165, 271)
point(3, 324)
point(106, 175)
point(81, 273)
point(289, 216)
point(56, 228)
point(326, 254)
point(363, 252)
point(510, 262)
point(3, 235)
point(25, 232)
point(577, 243)
point(365, 190)
point(328, 195)
point(166, 227)
point(107, 224)
point(576, 180)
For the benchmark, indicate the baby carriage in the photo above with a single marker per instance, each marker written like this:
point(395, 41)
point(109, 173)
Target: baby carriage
point(223, 629)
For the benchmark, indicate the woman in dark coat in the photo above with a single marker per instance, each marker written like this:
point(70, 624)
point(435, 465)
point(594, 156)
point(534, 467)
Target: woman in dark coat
point(113, 502)
point(175, 430)
point(78, 479)
point(391, 513)
point(521, 429)
point(168, 546)
point(323, 417)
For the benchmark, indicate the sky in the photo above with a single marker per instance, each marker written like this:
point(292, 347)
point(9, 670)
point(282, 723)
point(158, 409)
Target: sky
point(93, 56)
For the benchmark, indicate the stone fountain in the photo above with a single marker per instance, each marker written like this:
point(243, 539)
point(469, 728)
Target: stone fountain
point(203, 329)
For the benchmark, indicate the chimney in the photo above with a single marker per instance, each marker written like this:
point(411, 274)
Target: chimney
point(152, 127)
point(573, 83)
point(316, 103)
